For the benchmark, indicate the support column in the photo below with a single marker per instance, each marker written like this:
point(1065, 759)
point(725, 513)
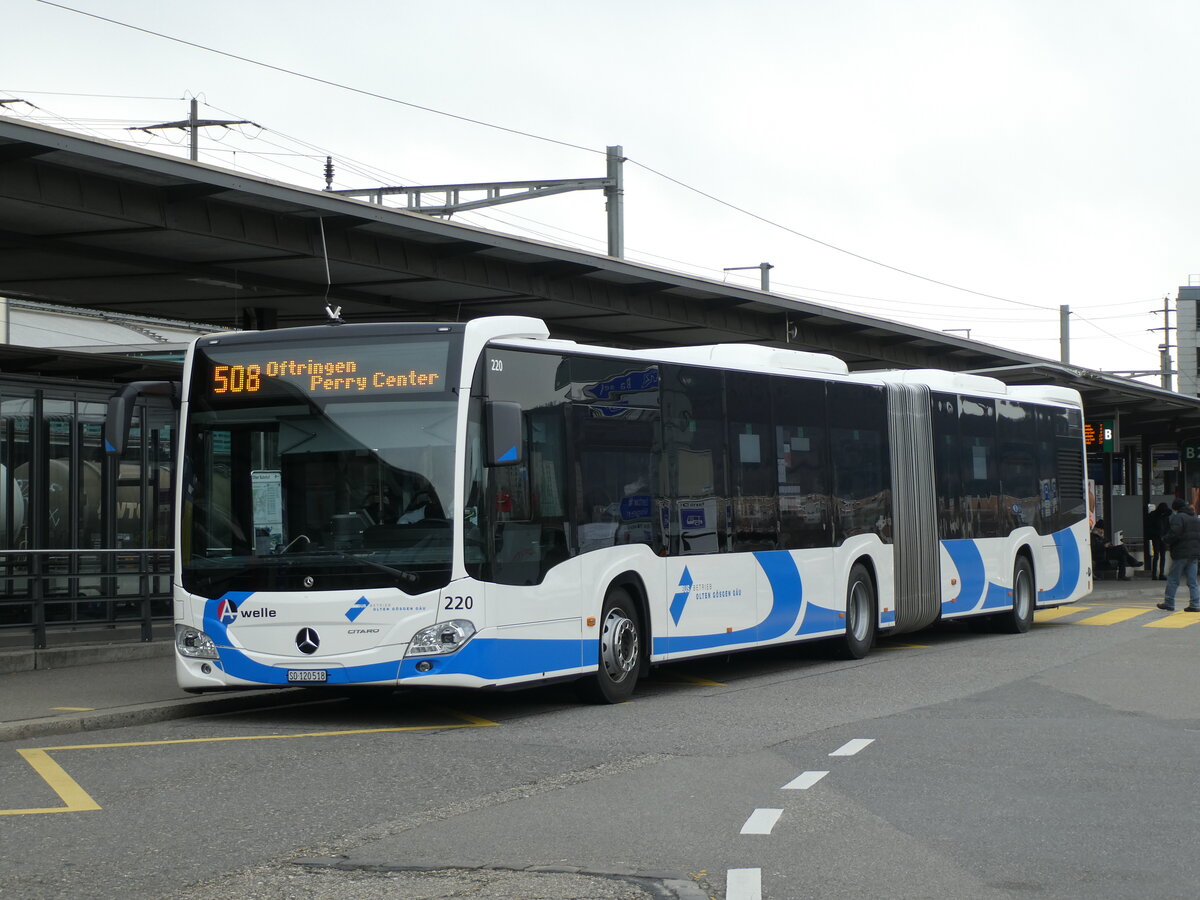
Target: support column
point(615, 197)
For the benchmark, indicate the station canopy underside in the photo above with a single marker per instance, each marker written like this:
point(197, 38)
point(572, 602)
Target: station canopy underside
point(98, 225)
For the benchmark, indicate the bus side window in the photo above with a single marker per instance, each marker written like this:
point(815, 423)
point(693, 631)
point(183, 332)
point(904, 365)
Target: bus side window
point(616, 467)
point(862, 481)
point(802, 461)
point(693, 421)
point(753, 482)
point(1017, 443)
point(947, 477)
point(978, 462)
point(1069, 467)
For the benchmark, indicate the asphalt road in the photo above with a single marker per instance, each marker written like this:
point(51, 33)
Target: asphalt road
point(1057, 764)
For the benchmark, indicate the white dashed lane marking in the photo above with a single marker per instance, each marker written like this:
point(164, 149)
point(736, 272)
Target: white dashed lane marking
point(746, 884)
point(743, 884)
point(804, 781)
point(761, 821)
point(851, 747)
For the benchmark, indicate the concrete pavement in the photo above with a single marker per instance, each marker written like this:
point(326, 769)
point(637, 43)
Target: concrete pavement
point(77, 689)
point(88, 688)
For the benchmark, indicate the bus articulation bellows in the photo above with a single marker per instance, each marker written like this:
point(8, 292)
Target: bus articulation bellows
point(477, 505)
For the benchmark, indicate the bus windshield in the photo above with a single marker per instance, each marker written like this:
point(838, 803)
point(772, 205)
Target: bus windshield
point(323, 467)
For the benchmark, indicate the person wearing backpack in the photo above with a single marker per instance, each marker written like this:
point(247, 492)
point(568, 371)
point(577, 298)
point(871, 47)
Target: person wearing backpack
point(1183, 540)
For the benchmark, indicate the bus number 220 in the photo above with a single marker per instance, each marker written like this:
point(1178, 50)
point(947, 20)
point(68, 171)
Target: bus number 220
point(459, 602)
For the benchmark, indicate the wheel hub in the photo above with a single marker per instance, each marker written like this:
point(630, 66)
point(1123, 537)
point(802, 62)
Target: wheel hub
point(619, 646)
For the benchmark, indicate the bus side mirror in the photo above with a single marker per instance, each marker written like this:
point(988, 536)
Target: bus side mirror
point(120, 410)
point(505, 433)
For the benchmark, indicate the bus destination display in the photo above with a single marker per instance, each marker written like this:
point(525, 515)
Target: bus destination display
point(331, 373)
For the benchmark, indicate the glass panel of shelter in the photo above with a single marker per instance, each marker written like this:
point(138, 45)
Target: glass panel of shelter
point(17, 588)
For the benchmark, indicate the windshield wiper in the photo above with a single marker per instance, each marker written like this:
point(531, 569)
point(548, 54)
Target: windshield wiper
point(407, 577)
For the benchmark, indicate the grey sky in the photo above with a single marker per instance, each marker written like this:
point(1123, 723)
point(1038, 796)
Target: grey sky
point(1033, 150)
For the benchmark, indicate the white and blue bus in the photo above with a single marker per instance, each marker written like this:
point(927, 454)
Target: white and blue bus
point(477, 505)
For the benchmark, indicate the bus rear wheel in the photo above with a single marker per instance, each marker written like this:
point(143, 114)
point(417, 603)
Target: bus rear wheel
point(620, 651)
point(860, 615)
point(1019, 619)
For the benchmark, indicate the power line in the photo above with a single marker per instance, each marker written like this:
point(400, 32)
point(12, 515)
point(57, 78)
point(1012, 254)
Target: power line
point(518, 132)
point(314, 78)
point(538, 137)
point(830, 246)
point(96, 96)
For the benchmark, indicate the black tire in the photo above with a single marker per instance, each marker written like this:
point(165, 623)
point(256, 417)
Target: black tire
point(620, 651)
point(1019, 619)
point(861, 615)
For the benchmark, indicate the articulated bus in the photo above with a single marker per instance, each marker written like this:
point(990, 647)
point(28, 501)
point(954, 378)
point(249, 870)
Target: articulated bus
point(477, 505)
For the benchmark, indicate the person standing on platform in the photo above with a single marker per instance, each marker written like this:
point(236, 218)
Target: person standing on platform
point(1157, 523)
point(1183, 540)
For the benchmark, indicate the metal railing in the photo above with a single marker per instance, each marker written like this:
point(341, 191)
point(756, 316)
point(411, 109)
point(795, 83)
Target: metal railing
point(105, 593)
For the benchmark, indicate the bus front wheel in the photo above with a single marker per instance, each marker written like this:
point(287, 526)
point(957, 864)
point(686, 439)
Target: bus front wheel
point(1019, 619)
point(620, 651)
point(860, 615)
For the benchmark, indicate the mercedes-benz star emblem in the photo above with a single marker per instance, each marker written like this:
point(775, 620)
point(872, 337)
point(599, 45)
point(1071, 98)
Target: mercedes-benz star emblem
point(307, 640)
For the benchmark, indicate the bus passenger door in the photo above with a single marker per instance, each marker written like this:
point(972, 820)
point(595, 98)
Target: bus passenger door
point(521, 538)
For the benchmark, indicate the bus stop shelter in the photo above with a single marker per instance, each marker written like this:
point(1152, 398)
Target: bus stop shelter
point(103, 226)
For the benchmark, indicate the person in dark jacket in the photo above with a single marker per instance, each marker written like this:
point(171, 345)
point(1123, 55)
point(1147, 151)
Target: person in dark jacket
point(1156, 533)
point(1183, 540)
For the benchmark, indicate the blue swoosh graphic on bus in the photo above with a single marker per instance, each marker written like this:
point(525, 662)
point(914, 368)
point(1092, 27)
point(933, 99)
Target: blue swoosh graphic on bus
point(495, 658)
point(975, 584)
point(1069, 567)
point(787, 594)
point(487, 658)
point(234, 662)
point(971, 575)
point(974, 581)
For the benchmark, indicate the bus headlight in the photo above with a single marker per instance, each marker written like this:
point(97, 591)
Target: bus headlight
point(194, 643)
point(442, 638)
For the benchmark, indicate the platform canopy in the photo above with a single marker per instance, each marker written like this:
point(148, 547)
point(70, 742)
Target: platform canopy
point(100, 225)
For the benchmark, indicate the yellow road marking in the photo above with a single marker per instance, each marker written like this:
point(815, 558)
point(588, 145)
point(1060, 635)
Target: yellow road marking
point(73, 708)
point(1113, 616)
point(78, 800)
point(1178, 619)
point(1049, 615)
point(68, 790)
point(902, 647)
point(466, 717)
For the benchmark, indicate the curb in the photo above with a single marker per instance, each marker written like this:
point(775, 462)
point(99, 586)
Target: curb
point(12, 661)
point(145, 713)
point(677, 887)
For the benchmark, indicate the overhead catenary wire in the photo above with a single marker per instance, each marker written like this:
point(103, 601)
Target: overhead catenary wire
point(891, 311)
point(534, 136)
point(327, 82)
point(371, 171)
point(94, 96)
